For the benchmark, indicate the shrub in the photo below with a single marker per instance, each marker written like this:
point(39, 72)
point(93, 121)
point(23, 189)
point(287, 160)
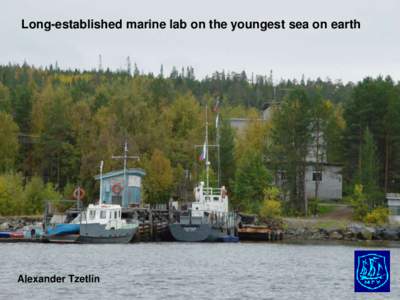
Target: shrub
point(313, 206)
point(270, 209)
point(15, 199)
point(37, 194)
point(271, 206)
point(11, 194)
point(359, 203)
point(378, 216)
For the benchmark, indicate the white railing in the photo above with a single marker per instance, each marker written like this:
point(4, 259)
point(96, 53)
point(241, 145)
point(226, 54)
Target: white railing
point(212, 191)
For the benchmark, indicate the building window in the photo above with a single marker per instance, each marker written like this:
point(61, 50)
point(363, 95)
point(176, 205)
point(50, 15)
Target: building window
point(394, 210)
point(317, 176)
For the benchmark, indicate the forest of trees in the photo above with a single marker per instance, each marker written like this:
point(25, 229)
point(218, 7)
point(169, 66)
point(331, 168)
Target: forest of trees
point(57, 125)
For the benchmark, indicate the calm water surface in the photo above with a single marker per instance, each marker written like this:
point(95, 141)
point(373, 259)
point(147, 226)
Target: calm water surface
point(188, 271)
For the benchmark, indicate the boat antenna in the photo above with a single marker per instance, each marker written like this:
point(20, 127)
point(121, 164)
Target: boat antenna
point(125, 157)
point(207, 162)
point(217, 121)
point(101, 182)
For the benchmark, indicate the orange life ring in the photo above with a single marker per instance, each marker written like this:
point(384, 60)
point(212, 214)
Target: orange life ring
point(117, 188)
point(79, 193)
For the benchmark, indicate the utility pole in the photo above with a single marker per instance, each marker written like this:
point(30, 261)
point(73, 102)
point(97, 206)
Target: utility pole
point(125, 157)
point(100, 63)
point(128, 66)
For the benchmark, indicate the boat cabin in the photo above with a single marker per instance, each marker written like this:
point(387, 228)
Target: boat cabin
point(213, 200)
point(102, 213)
point(122, 188)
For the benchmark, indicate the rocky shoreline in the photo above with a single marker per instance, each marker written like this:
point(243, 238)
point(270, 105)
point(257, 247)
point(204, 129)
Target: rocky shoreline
point(352, 232)
point(17, 223)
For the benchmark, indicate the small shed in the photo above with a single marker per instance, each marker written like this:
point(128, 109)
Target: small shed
point(393, 200)
point(123, 188)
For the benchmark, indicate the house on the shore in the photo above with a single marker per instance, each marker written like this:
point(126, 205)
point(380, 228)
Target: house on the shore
point(328, 175)
point(393, 200)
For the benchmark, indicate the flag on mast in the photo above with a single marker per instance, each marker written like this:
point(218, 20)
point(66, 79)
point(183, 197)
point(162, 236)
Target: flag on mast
point(203, 153)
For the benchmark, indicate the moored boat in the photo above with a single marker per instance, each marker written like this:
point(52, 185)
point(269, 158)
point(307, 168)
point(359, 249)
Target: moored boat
point(5, 234)
point(63, 233)
point(209, 219)
point(102, 223)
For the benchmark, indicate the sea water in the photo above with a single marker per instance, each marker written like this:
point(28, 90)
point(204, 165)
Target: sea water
point(187, 271)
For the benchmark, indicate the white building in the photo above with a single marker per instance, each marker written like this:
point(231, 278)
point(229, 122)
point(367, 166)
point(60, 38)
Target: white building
point(393, 200)
point(330, 175)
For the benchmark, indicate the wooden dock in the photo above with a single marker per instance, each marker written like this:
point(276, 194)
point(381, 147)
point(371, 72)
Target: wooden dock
point(153, 223)
point(250, 232)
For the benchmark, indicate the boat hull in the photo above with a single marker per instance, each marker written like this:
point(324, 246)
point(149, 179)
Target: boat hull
point(196, 232)
point(63, 229)
point(97, 233)
point(66, 238)
point(63, 233)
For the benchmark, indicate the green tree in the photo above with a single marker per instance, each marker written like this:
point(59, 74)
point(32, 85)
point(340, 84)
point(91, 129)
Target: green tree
point(369, 171)
point(271, 206)
point(55, 155)
point(5, 99)
point(374, 104)
point(368, 168)
point(11, 194)
point(159, 181)
point(251, 178)
point(358, 201)
point(8, 142)
point(291, 139)
point(326, 127)
point(227, 148)
point(36, 194)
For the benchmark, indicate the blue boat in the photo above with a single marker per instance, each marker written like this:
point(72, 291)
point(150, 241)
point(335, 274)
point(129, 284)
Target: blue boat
point(63, 229)
point(229, 239)
point(63, 233)
point(5, 234)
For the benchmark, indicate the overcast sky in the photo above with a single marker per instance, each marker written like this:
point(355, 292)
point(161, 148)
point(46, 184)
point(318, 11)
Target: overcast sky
point(346, 55)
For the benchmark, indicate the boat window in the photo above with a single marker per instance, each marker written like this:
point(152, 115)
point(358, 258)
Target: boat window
point(103, 214)
point(207, 198)
point(115, 214)
point(119, 214)
point(216, 198)
point(92, 214)
point(110, 214)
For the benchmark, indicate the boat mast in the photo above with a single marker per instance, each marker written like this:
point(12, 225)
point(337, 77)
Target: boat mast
point(101, 183)
point(125, 157)
point(207, 162)
point(218, 146)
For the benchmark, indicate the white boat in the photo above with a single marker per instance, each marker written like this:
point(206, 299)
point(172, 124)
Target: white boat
point(209, 218)
point(102, 223)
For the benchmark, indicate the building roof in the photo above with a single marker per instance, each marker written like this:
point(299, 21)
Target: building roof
point(133, 171)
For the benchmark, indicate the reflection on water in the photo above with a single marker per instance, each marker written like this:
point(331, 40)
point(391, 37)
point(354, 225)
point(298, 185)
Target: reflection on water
point(189, 271)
